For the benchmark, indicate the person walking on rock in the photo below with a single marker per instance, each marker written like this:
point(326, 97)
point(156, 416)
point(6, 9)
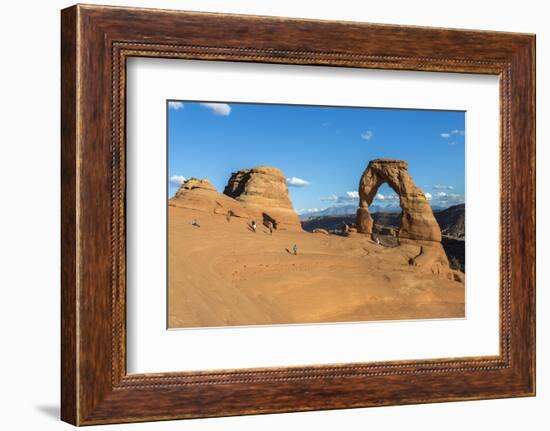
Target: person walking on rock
point(295, 249)
point(254, 226)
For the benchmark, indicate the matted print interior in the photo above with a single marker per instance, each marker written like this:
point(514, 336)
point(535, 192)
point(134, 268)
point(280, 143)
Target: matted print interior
point(294, 214)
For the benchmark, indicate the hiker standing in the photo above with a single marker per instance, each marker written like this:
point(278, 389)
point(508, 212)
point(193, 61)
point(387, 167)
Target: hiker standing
point(254, 226)
point(269, 225)
point(295, 249)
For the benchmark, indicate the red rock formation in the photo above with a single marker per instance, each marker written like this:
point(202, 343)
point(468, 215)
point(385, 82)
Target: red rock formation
point(419, 229)
point(417, 219)
point(264, 194)
point(259, 194)
point(195, 183)
point(200, 195)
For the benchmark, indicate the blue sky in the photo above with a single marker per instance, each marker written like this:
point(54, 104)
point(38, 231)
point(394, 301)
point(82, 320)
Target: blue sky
point(323, 151)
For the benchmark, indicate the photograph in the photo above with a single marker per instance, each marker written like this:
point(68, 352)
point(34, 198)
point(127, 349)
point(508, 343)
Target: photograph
point(300, 214)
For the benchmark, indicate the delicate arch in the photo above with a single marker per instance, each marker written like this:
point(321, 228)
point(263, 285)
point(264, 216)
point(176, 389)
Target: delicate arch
point(417, 219)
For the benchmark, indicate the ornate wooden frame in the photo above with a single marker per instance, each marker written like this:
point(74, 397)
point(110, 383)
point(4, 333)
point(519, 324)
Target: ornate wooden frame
point(96, 41)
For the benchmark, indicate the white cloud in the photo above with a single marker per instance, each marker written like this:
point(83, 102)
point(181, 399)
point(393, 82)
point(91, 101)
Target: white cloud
point(442, 187)
point(345, 198)
point(297, 182)
point(382, 197)
point(175, 105)
point(455, 132)
point(348, 197)
point(308, 210)
point(222, 109)
point(443, 198)
point(367, 135)
point(176, 180)
point(428, 196)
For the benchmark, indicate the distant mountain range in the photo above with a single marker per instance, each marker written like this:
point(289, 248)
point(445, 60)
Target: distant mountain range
point(345, 210)
point(451, 220)
point(350, 210)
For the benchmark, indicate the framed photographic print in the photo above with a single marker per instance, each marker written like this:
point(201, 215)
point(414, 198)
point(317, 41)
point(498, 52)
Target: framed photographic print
point(269, 215)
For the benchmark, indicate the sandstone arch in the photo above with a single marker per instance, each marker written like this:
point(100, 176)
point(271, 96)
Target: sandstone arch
point(417, 219)
point(419, 233)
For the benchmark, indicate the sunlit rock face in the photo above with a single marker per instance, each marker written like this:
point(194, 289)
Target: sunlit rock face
point(419, 227)
point(264, 193)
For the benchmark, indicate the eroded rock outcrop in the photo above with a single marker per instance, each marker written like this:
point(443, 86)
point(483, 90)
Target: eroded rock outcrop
point(419, 230)
point(417, 219)
point(263, 192)
point(195, 183)
point(319, 230)
point(200, 195)
point(259, 194)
